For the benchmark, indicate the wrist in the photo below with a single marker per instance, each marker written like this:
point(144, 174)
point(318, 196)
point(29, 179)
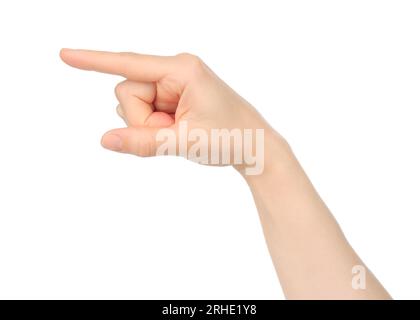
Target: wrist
point(277, 157)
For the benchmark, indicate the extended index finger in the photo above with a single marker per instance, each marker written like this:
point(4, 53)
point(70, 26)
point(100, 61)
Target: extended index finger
point(133, 66)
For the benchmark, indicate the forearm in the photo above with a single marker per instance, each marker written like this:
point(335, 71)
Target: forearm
point(312, 258)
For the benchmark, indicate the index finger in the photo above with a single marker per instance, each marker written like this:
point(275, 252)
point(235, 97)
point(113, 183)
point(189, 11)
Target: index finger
point(133, 66)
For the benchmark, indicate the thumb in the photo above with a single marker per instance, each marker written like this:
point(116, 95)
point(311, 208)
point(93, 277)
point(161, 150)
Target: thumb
point(138, 141)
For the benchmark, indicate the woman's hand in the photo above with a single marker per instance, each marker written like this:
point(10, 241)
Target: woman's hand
point(164, 92)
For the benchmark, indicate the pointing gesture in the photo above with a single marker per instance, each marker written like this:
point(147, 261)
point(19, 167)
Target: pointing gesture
point(160, 92)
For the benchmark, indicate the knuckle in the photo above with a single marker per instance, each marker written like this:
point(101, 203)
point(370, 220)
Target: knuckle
point(121, 89)
point(120, 111)
point(191, 62)
point(186, 56)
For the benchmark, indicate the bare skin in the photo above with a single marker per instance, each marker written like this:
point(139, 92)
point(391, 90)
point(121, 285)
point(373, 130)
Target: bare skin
point(312, 258)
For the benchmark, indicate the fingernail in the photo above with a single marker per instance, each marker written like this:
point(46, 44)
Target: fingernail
point(112, 142)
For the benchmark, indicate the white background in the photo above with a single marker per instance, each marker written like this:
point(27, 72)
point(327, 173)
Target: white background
point(339, 79)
